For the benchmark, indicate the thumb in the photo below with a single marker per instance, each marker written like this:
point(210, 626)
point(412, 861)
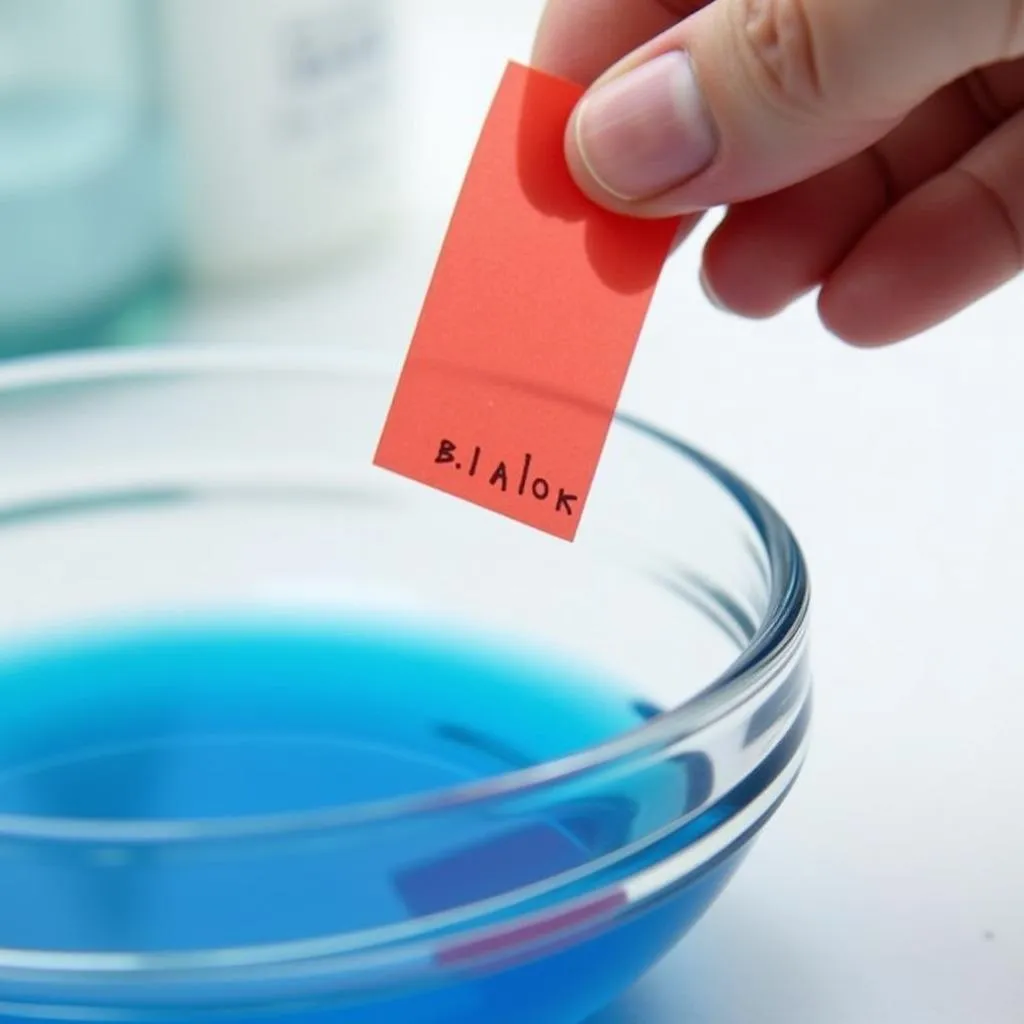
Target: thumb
point(746, 97)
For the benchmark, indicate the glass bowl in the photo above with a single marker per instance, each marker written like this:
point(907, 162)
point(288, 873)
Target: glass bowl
point(285, 735)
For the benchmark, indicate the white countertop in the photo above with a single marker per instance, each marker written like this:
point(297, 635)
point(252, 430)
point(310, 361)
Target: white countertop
point(890, 888)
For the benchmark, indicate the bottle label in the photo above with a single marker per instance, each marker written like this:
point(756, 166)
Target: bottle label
point(332, 71)
point(283, 112)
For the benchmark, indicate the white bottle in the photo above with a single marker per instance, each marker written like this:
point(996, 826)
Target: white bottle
point(283, 111)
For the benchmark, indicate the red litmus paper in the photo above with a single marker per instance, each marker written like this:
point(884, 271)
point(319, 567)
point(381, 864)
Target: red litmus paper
point(529, 326)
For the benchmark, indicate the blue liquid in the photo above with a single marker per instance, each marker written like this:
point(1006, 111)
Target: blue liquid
point(207, 724)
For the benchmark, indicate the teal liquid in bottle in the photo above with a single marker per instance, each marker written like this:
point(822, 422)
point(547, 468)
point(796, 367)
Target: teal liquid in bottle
point(85, 225)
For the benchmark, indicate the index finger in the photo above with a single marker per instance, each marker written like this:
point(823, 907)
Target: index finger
point(580, 39)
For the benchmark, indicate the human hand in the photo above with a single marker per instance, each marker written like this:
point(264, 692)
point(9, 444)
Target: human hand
point(874, 148)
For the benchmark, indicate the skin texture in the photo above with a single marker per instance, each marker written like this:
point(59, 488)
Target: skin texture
point(870, 149)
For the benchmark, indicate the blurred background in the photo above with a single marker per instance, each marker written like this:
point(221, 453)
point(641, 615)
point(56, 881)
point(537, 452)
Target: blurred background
point(280, 172)
point(273, 171)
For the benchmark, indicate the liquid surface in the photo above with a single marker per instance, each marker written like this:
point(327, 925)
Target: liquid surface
point(202, 725)
point(192, 726)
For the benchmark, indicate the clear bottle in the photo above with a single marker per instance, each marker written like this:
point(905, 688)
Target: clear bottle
point(85, 225)
point(283, 110)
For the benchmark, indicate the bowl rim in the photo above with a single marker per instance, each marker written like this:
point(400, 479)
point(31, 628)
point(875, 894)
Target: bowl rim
point(780, 632)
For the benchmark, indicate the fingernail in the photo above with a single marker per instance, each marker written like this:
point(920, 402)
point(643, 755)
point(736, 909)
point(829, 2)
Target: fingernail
point(648, 130)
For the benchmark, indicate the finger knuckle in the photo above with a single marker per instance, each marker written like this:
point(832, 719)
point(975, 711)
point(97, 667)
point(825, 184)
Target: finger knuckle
point(1004, 212)
point(784, 48)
